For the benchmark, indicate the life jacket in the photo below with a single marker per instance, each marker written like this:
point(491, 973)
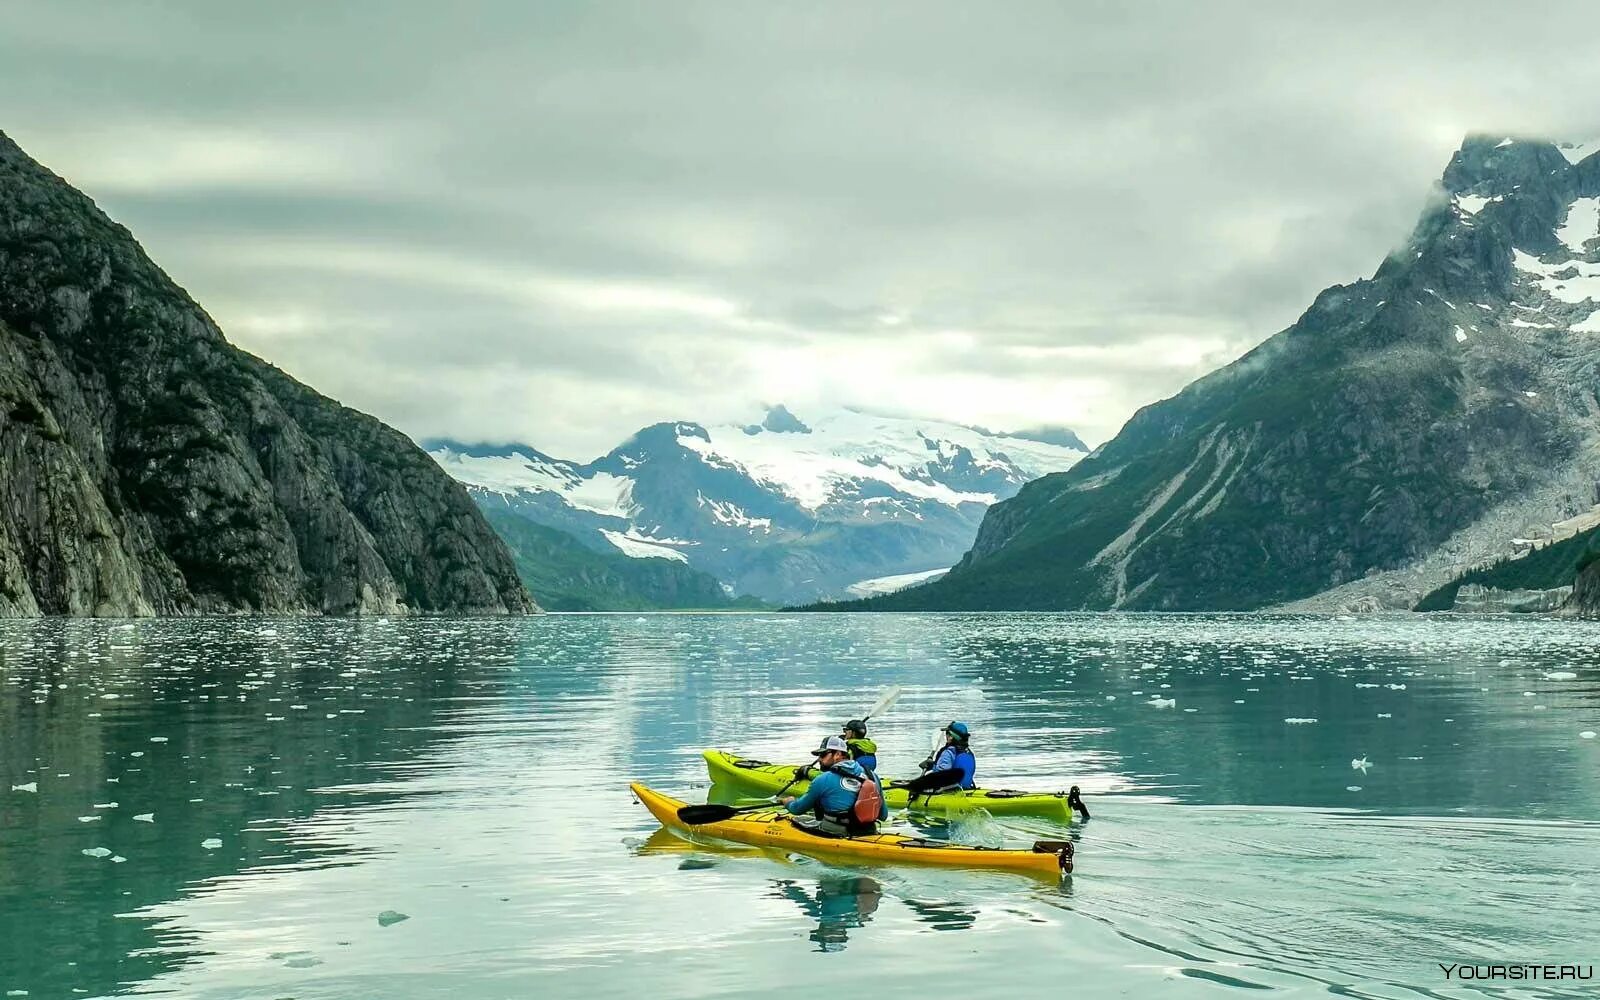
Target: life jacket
point(863, 750)
point(869, 802)
point(862, 816)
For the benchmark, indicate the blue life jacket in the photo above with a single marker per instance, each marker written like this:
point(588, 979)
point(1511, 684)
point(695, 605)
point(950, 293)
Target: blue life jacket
point(961, 759)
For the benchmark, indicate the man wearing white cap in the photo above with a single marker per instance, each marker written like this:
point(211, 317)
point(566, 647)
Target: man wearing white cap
point(833, 796)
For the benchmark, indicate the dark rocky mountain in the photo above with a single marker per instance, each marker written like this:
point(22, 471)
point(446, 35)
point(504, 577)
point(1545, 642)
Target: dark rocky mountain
point(147, 466)
point(787, 510)
point(1406, 427)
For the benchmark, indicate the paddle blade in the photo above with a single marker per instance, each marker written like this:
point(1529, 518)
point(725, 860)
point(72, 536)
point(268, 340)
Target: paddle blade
point(711, 812)
point(882, 704)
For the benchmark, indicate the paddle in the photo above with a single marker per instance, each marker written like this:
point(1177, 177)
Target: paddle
point(713, 812)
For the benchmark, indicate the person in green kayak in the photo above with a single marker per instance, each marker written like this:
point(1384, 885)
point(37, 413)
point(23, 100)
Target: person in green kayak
point(862, 750)
point(845, 800)
point(952, 767)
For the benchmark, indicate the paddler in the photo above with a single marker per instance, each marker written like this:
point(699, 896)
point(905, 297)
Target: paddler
point(841, 798)
point(862, 750)
point(953, 766)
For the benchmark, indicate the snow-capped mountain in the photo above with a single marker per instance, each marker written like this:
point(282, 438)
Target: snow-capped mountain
point(1442, 413)
point(785, 510)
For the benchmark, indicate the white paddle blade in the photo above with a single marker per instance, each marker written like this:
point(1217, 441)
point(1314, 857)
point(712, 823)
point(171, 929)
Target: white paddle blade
point(881, 706)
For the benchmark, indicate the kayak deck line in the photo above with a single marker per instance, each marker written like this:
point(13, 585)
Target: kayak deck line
point(732, 769)
point(776, 829)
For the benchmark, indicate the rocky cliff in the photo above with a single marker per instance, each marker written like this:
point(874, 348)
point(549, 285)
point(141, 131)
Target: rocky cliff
point(1402, 429)
point(147, 466)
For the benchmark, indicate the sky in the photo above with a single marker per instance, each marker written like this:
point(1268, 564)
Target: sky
point(557, 223)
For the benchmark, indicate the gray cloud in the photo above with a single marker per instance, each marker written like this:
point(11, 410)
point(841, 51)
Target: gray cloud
point(558, 222)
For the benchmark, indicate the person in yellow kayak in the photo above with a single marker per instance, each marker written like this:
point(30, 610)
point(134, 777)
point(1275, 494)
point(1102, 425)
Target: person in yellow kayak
point(845, 800)
point(952, 767)
point(862, 750)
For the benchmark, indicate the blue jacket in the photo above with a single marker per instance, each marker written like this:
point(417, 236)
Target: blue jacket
point(960, 759)
point(828, 789)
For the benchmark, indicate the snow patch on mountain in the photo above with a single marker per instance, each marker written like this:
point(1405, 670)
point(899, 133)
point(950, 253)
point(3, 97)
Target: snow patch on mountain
point(839, 451)
point(1576, 152)
point(1569, 281)
point(1582, 224)
point(632, 544)
point(890, 584)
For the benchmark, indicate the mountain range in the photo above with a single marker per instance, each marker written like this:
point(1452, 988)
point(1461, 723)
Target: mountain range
point(785, 509)
point(1405, 428)
point(147, 466)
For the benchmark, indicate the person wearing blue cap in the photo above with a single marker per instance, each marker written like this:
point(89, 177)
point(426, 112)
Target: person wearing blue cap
point(952, 767)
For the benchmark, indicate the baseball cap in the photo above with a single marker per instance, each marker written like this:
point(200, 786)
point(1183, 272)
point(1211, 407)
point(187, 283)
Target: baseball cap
point(831, 743)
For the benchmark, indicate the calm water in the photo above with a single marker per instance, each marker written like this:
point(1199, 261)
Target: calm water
point(439, 808)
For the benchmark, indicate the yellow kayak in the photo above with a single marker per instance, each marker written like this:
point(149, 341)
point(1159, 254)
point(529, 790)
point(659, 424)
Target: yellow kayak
point(775, 828)
point(758, 775)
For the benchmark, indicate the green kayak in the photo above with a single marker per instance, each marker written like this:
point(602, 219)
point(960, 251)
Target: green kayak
point(759, 775)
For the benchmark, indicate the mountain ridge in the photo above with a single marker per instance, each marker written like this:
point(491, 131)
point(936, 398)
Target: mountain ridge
point(785, 509)
point(147, 466)
point(1395, 410)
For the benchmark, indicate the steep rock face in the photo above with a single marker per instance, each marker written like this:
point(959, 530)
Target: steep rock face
point(149, 467)
point(1585, 600)
point(1395, 415)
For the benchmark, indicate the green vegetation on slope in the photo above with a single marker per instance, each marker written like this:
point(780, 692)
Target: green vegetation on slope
point(565, 575)
point(1555, 565)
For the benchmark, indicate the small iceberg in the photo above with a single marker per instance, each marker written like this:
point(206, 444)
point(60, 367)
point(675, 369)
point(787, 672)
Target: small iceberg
point(1299, 722)
point(145, 818)
point(1561, 675)
point(1162, 702)
point(1587, 734)
point(1360, 764)
point(211, 843)
point(32, 786)
point(96, 852)
point(388, 917)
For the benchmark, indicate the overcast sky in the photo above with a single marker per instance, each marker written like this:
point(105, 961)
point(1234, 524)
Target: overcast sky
point(556, 223)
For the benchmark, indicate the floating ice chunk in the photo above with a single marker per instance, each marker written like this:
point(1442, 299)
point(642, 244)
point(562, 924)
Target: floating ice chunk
point(1397, 687)
point(211, 843)
point(1162, 702)
point(89, 819)
point(1360, 764)
point(1368, 685)
point(388, 917)
point(158, 739)
point(1527, 694)
point(117, 859)
point(32, 786)
point(1352, 788)
point(145, 818)
point(137, 753)
point(1111, 697)
point(1561, 675)
point(96, 852)
point(1299, 722)
point(105, 805)
point(1385, 715)
point(1238, 701)
point(1587, 734)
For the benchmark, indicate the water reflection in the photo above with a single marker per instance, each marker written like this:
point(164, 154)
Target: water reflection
point(943, 916)
point(838, 903)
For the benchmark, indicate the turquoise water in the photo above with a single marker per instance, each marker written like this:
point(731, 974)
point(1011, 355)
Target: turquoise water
point(439, 808)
